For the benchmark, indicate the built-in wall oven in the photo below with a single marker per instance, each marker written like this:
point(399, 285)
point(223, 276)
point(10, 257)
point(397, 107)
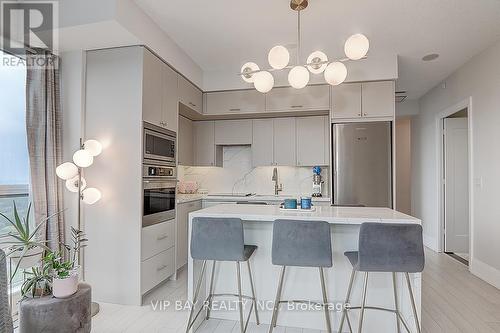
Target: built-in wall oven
point(159, 187)
point(159, 144)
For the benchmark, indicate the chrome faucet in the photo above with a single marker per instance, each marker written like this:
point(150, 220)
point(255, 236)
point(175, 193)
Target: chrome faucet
point(277, 187)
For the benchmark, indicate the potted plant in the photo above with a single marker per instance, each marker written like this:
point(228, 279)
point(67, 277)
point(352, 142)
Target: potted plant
point(65, 272)
point(23, 243)
point(38, 282)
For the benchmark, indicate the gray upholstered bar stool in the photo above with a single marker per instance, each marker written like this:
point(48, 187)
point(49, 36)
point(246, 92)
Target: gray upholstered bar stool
point(301, 244)
point(390, 248)
point(221, 239)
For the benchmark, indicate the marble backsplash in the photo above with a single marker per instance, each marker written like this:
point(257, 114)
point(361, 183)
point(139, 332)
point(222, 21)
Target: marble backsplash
point(237, 175)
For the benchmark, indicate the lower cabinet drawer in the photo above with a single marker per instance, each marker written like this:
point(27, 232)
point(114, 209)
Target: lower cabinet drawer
point(157, 238)
point(156, 269)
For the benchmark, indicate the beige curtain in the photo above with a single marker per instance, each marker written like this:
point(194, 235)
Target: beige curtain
point(43, 125)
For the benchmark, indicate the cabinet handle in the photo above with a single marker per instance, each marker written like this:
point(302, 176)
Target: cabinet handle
point(162, 237)
point(192, 104)
point(365, 114)
point(296, 106)
point(359, 114)
point(159, 269)
point(235, 109)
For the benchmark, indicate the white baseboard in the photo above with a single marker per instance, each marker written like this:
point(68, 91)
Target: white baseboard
point(431, 242)
point(485, 272)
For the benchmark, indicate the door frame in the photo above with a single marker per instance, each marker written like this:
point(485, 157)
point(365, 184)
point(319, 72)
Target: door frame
point(464, 104)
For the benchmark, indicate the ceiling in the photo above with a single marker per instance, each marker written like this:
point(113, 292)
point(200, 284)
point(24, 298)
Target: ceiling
point(224, 34)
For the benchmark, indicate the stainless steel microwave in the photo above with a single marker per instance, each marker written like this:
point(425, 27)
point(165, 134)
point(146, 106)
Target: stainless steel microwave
point(159, 144)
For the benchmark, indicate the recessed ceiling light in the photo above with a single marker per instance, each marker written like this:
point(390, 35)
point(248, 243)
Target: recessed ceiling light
point(430, 57)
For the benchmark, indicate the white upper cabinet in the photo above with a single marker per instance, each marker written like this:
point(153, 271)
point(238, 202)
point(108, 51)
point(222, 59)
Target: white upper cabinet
point(262, 142)
point(346, 100)
point(152, 89)
point(284, 141)
point(316, 97)
point(169, 99)
point(234, 102)
point(233, 132)
point(189, 95)
point(311, 140)
point(363, 100)
point(204, 144)
point(378, 99)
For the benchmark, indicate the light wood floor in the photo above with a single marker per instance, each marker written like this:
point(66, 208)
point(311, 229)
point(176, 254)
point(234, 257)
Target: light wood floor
point(453, 300)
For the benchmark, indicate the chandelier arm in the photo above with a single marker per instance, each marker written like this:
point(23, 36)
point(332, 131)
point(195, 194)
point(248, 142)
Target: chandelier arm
point(291, 66)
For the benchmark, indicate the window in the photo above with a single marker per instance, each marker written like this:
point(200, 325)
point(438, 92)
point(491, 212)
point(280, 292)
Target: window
point(14, 161)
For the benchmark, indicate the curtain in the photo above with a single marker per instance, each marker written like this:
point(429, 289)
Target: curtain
point(44, 127)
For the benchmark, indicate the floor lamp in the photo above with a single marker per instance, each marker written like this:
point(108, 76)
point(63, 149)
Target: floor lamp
point(72, 174)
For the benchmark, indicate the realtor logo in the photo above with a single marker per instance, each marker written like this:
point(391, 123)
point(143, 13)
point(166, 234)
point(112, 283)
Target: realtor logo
point(28, 25)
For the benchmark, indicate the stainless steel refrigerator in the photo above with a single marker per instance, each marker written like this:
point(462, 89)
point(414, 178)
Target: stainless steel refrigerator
point(362, 164)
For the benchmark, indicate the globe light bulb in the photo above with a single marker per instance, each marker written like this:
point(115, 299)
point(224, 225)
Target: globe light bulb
point(91, 195)
point(314, 61)
point(298, 77)
point(72, 184)
point(66, 171)
point(263, 81)
point(335, 73)
point(94, 147)
point(356, 46)
point(249, 67)
point(278, 57)
point(82, 158)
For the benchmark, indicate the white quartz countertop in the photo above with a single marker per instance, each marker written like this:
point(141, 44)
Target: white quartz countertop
point(334, 215)
point(182, 198)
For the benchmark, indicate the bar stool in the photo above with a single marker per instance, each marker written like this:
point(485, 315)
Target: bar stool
point(390, 248)
point(301, 244)
point(221, 239)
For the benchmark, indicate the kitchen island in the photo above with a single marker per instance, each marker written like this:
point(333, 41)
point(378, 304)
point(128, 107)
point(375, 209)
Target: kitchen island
point(303, 283)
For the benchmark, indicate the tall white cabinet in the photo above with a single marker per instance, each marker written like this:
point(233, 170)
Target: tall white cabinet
point(160, 92)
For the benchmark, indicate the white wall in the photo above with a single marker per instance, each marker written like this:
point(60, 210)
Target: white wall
point(480, 80)
point(407, 108)
point(238, 176)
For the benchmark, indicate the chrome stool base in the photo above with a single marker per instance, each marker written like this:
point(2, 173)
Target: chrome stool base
point(363, 307)
point(211, 295)
point(278, 300)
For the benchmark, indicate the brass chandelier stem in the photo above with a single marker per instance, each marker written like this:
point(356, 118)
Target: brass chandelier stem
point(298, 37)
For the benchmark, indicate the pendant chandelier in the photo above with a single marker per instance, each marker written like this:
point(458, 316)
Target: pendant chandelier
point(335, 72)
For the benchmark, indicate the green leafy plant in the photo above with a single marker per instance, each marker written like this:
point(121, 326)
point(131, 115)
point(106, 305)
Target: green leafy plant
point(23, 238)
point(38, 281)
point(61, 264)
point(58, 266)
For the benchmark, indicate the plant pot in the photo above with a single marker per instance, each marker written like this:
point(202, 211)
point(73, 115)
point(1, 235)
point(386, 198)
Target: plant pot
point(65, 287)
point(30, 259)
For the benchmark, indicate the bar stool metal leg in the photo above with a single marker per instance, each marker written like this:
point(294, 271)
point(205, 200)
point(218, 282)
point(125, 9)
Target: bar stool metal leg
point(240, 299)
point(396, 302)
point(361, 315)
point(277, 300)
point(211, 292)
point(325, 300)
point(253, 293)
point(347, 300)
point(414, 308)
point(195, 298)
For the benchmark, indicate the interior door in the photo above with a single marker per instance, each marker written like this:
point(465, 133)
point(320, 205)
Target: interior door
point(456, 185)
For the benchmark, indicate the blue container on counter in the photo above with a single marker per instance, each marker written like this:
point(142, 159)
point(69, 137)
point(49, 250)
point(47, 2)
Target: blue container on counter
point(290, 204)
point(305, 203)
